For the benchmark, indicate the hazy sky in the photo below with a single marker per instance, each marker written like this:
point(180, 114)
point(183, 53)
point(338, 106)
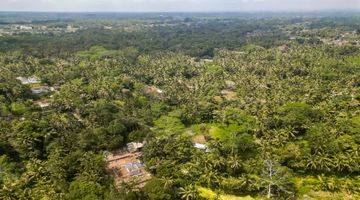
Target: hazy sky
point(177, 5)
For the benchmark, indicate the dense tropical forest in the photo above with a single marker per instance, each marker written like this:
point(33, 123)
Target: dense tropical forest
point(270, 102)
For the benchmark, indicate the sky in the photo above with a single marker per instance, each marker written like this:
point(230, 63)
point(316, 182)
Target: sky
point(177, 5)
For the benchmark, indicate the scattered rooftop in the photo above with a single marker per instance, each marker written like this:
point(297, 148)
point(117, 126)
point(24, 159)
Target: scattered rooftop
point(229, 95)
point(230, 84)
point(134, 146)
point(153, 90)
point(40, 89)
point(42, 103)
point(28, 80)
point(203, 147)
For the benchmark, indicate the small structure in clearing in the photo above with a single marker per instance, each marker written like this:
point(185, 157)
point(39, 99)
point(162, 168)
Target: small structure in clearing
point(35, 84)
point(126, 166)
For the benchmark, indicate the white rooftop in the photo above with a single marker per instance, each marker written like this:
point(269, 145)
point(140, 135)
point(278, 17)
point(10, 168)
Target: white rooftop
point(28, 80)
point(200, 146)
point(134, 146)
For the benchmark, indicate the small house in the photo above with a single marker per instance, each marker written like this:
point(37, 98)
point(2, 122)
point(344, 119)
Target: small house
point(202, 147)
point(153, 90)
point(135, 146)
point(39, 90)
point(26, 28)
point(284, 48)
point(28, 80)
point(230, 84)
point(43, 104)
point(133, 168)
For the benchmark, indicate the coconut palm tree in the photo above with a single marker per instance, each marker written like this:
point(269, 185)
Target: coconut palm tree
point(168, 182)
point(234, 163)
point(189, 192)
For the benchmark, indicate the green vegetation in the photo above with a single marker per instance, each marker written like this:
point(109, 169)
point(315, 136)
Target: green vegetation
point(275, 101)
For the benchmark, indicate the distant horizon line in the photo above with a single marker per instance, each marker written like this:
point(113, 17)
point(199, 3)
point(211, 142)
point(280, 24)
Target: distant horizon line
point(244, 11)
